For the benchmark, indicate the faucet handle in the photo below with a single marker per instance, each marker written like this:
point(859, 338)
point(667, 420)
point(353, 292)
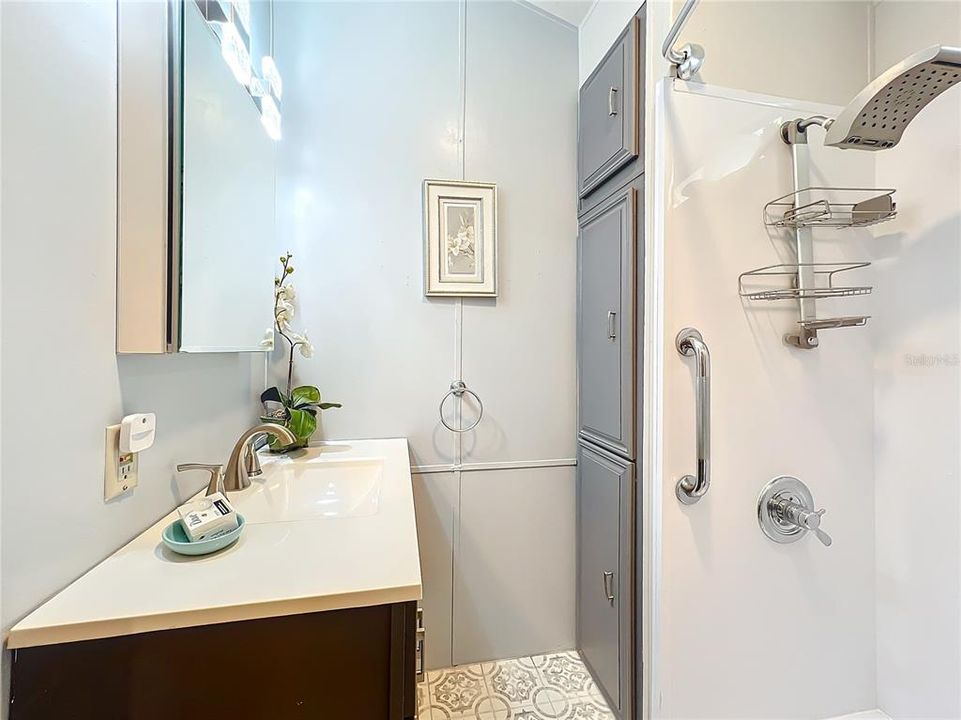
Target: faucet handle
point(216, 474)
point(252, 462)
point(812, 522)
point(804, 517)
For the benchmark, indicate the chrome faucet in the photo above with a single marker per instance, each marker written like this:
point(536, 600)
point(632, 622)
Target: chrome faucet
point(243, 462)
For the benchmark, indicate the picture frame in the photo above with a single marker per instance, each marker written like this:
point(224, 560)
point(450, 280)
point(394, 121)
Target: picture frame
point(460, 239)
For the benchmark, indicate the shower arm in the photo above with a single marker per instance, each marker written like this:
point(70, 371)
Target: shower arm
point(793, 131)
point(688, 60)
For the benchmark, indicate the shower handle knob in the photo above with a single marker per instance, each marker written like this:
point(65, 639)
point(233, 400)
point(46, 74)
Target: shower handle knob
point(801, 516)
point(813, 523)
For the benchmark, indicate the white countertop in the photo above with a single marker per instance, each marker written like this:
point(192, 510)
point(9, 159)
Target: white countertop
point(275, 568)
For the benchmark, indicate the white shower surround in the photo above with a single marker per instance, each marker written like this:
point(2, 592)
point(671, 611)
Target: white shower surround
point(885, 596)
point(745, 621)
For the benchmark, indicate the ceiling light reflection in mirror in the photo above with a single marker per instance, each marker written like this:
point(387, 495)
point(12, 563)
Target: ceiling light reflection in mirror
point(237, 28)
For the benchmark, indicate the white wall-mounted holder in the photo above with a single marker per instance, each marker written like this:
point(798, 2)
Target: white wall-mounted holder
point(122, 444)
point(137, 432)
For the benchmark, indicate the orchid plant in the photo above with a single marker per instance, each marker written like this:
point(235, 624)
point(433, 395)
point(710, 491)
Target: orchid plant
point(296, 407)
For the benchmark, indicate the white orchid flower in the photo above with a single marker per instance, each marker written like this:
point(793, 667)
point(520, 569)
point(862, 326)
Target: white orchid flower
point(303, 344)
point(268, 341)
point(284, 313)
point(286, 294)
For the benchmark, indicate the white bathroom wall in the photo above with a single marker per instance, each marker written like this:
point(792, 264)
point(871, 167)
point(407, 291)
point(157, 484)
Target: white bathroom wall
point(62, 382)
point(917, 334)
point(749, 628)
point(811, 49)
point(816, 50)
point(603, 22)
point(378, 97)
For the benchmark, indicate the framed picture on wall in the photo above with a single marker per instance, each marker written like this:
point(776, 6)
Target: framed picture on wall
point(460, 239)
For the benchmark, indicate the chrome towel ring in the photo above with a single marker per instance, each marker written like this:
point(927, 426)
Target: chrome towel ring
point(457, 389)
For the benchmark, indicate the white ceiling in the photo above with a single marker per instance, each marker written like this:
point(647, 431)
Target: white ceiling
point(571, 11)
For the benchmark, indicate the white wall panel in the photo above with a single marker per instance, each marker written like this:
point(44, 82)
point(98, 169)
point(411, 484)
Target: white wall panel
point(521, 131)
point(376, 98)
point(514, 569)
point(62, 381)
point(371, 109)
point(436, 502)
point(602, 24)
point(918, 387)
point(745, 622)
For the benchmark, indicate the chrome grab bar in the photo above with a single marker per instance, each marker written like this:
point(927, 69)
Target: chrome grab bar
point(688, 60)
point(457, 389)
point(690, 488)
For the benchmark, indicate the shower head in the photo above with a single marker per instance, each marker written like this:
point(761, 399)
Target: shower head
point(875, 119)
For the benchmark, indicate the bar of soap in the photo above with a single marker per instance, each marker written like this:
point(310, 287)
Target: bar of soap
point(208, 517)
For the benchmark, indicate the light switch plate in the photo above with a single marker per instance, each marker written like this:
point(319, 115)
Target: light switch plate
point(120, 471)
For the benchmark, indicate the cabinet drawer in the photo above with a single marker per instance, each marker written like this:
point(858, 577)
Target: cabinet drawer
point(607, 321)
point(605, 583)
point(609, 112)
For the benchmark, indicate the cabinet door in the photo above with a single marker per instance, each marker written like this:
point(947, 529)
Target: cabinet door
point(605, 584)
point(606, 331)
point(608, 109)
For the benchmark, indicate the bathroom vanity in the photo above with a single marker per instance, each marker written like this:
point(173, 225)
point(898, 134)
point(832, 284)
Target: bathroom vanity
point(312, 613)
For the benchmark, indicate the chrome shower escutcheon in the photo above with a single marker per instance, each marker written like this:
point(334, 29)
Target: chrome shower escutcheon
point(785, 511)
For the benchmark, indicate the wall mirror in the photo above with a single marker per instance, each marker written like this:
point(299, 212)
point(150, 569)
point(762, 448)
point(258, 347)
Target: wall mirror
point(199, 124)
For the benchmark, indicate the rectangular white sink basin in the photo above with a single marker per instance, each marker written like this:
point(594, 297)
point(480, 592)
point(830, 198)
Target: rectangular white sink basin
point(311, 489)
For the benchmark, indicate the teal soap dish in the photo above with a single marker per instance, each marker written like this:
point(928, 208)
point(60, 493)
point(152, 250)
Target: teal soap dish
point(175, 538)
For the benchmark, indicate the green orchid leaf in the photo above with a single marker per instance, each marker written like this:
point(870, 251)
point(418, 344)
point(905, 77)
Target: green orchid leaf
point(327, 406)
point(302, 424)
point(304, 395)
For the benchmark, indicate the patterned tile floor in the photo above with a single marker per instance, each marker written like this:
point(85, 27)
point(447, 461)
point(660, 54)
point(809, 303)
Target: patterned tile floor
point(543, 687)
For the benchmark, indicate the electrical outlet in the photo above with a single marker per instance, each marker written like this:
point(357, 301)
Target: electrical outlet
point(120, 471)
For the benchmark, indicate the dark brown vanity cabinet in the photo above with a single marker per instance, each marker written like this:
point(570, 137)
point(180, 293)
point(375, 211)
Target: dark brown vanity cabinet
point(356, 663)
point(610, 332)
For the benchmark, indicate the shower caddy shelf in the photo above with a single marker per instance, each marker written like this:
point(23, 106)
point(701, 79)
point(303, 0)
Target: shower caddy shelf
point(835, 207)
point(821, 271)
point(801, 211)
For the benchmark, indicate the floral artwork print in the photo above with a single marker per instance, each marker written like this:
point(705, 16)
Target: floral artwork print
point(461, 255)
